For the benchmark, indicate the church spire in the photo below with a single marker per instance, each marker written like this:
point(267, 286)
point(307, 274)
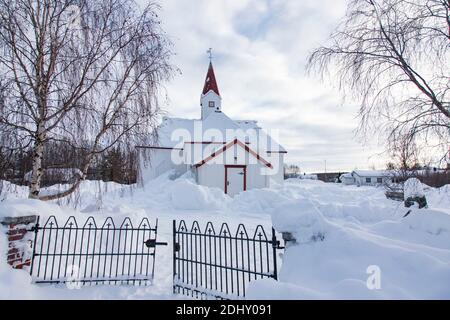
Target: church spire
point(210, 100)
point(210, 81)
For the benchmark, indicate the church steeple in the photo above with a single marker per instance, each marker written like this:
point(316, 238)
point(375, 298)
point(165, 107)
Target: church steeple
point(210, 100)
point(210, 81)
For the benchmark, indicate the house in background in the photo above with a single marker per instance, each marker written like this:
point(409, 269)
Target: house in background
point(233, 155)
point(366, 177)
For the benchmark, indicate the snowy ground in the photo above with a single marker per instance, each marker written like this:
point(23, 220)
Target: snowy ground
point(340, 230)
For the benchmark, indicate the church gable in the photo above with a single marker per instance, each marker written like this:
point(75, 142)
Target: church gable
point(236, 156)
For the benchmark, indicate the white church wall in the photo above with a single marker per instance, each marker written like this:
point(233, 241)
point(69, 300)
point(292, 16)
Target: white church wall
point(255, 179)
point(212, 175)
point(277, 173)
point(196, 152)
point(154, 162)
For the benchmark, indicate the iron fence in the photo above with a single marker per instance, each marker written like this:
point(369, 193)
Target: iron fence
point(92, 255)
point(207, 264)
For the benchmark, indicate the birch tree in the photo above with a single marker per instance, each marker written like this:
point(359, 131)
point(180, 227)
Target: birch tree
point(84, 72)
point(393, 57)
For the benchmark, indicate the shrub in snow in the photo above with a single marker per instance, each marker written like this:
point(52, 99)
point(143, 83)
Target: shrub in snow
point(413, 188)
point(414, 193)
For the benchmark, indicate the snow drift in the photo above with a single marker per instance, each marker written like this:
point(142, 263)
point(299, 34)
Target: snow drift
point(360, 230)
point(341, 232)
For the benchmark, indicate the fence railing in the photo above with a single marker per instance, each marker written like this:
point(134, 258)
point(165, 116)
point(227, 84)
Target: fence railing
point(90, 254)
point(219, 265)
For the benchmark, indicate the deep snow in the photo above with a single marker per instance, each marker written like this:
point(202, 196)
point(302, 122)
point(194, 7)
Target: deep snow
point(340, 230)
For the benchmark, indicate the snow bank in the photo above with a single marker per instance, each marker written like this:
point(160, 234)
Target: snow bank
point(336, 268)
point(438, 198)
point(9, 190)
point(186, 194)
point(361, 229)
point(302, 218)
point(341, 231)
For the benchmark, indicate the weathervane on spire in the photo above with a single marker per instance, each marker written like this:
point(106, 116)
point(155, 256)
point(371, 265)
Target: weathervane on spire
point(209, 51)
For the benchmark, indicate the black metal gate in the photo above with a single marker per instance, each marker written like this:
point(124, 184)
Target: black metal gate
point(91, 255)
point(220, 265)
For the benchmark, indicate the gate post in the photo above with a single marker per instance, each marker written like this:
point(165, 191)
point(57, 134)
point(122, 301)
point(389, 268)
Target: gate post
point(274, 248)
point(174, 244)
point(19, 235)
point(36, 230)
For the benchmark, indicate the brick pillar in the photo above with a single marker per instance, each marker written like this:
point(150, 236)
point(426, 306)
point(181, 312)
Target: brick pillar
point(20, 240)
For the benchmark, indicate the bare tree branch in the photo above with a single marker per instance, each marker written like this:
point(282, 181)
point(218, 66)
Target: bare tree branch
point(81, 71)
point(392, 56)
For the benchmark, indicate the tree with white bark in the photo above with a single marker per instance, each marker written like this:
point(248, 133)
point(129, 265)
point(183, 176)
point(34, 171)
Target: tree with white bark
point(83, 72)
point(392, 56)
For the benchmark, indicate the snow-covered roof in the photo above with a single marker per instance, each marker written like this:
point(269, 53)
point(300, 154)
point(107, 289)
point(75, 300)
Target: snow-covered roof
point(174, 132)
point(219, 121)
point(248, 124)
point(372, 173)
point(169, 126)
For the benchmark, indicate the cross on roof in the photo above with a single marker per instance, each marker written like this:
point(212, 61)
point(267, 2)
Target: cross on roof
point(210, 81)
point(209, 51)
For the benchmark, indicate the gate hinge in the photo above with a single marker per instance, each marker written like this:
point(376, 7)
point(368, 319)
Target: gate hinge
point(151, 243)
point(34, 228)
point(277, 245)
point(176, 247)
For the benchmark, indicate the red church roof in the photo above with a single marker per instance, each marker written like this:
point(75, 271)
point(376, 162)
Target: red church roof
point(210, 81)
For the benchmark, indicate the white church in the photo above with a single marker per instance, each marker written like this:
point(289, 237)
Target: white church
point(233, 155)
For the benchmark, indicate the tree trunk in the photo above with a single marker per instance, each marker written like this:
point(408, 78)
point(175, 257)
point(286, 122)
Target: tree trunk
point(37, 171)
point(63, 194)
point(74, 186)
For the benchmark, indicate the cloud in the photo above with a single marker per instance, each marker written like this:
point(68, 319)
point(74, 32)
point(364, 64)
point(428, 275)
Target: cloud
point(260, 49)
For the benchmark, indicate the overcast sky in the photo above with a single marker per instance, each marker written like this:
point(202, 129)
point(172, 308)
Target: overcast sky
point(260, 49)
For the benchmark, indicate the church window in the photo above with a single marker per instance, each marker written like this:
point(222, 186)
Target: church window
point(211, 104)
